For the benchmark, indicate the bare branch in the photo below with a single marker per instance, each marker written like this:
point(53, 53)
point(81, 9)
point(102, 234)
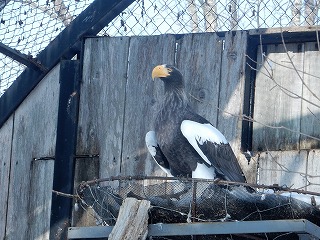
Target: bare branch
point(250, 119)
point(276, 188)
point(283, 89)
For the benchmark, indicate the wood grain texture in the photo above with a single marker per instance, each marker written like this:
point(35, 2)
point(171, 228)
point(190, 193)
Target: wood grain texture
point(232, 87)
point(132, 221)
point(86, 169)
point(275, 104)
point(5, 155)
point(231, 97)
point(199, 60)
point(313, 171)
point(142, 97)
point(310, 115)
point(40, 199)
point(286, 168)
point(34, 136)
point(102, 101)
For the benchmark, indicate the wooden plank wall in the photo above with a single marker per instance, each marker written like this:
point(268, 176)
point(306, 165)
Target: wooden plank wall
point(118, 97)
point(117, 102)
point(287, 98)
point(26, 184)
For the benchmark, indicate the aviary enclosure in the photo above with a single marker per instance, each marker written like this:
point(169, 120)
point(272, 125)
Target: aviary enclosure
point(79, 110)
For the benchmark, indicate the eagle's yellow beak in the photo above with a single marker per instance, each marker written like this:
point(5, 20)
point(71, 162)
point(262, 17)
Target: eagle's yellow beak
point(160, 71)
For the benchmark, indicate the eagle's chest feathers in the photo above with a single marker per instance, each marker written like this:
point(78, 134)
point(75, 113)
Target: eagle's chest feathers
point(168, 122)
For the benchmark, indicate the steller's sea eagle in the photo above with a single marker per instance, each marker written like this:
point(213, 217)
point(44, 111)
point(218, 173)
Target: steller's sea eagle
point(184, 144)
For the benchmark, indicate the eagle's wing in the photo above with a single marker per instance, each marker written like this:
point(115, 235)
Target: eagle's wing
point(156, 153)
point(213, 148)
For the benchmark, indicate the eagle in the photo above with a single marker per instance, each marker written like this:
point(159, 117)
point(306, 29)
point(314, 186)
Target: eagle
point(183, 143)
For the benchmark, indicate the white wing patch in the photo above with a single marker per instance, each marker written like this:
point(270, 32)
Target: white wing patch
point(202, 171)
point(151, 142)
point(200, 133)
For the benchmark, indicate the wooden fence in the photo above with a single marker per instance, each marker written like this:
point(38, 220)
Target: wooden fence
point(117, 101)
point(26, 183)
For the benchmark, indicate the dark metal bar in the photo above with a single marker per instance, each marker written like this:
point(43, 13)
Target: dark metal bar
point(3, 4)
point(64, 46)
point(70, 75)
point(208, 228)
point(248, 103)
point(29, 61)
point(302, 35)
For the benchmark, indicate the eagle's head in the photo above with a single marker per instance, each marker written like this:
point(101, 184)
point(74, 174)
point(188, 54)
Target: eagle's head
point(170, 75)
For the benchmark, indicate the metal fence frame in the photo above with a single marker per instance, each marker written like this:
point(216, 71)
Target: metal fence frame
point(304, 228)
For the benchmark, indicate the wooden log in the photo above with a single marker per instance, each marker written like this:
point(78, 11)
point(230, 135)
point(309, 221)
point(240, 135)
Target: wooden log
point(132, 220)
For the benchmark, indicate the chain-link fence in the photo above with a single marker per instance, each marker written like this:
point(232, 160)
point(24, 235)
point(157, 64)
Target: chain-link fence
point(158, 17)
point(29, 25)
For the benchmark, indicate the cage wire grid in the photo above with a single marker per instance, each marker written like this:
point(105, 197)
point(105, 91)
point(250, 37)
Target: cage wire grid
point(29, 26)
point(191, 200)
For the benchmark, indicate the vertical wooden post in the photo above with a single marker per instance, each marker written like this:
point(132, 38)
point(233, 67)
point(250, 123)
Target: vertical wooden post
point(65, 148)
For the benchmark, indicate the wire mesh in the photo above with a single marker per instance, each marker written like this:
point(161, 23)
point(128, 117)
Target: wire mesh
point(179, 17)
point(192, 201)
point(29, 25)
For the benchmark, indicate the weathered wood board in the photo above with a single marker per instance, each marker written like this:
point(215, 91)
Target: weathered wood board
point(286, 168)
point(231, 92)
point(102, 101)
point(86, 169)
point(295, 169)
point(231, 97)
point(142, 95)
point(276, 101)
point(199, 60)
point(310, 115)
point(34, 136)
point(5, 156)
point(313, 171)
